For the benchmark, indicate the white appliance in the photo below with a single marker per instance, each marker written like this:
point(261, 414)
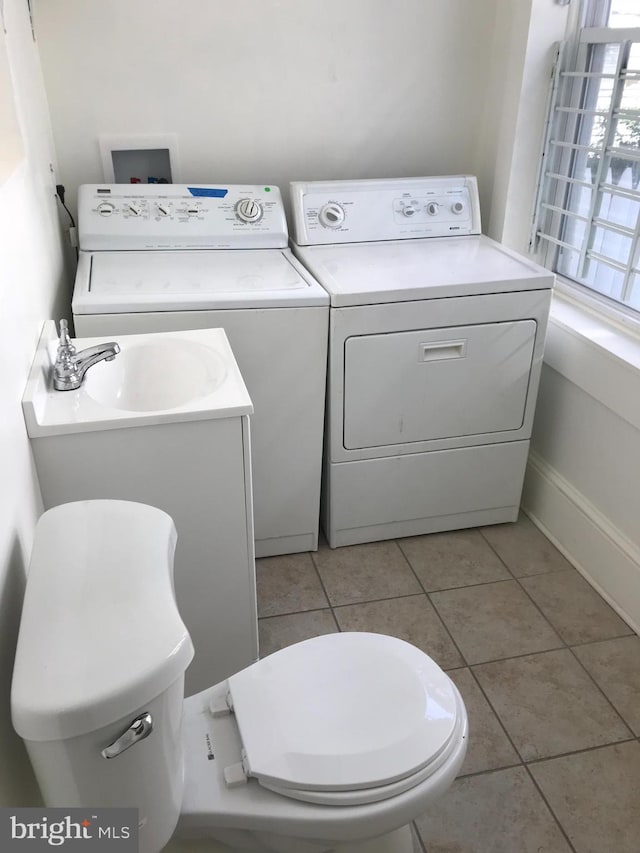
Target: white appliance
point(435, 350)
point(156, 258)
point(334, 741)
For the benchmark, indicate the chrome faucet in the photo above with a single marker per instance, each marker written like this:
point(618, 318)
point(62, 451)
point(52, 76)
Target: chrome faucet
point(71, 366)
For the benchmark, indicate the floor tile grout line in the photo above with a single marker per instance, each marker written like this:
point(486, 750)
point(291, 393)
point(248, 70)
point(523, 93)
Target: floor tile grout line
point(352, 603)
point(450, 588)
point(525, 767)
point(517, 657)
point(293, 613)
point(506, 580)
point(606, 640)
point(442, 620)
point(513, 577)
point(528, 654)
point(416, 834)
point(464, 586)
point(410, 565)
point(559, 649)
point(566, 644)
point(377, 600)
point(324, 588)
point(490, 770)
point(551, 811)
point(504, 562)
point(460, 586)
point(435, 609)
point(536, 761)
point(601, 691)
point(520, 578)
point(533, 761)
point(495, 713)
point(334, 607)
point(558, 630)
point(564, 641)
point(507, 657)
point(535, 604)
point(525, 576)
point(330, 606)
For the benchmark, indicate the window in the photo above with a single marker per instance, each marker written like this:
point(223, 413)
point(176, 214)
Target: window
point(589, 205)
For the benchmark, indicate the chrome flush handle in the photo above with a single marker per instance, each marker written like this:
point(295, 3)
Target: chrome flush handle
point(139, 729)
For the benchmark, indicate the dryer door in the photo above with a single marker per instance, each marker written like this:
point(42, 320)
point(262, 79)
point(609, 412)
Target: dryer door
point(404, 387)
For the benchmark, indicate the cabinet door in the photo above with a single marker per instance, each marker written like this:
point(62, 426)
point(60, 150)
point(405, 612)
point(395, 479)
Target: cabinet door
point(404, 387)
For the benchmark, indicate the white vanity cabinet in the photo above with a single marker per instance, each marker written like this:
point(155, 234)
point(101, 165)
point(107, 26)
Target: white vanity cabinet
point(194, 463)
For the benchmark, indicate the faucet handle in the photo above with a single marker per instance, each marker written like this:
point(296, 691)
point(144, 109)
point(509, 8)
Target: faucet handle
point(64, 340)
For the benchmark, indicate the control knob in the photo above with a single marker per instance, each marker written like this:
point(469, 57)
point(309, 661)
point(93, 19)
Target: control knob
point(432, 208)
point(163, 208)
point(134, 209)
point(457, 207)
point(249, 210)
point(409, 208)
point(331, 215)
point(106, 208)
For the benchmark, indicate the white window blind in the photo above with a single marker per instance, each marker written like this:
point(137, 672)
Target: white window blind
point(588, 210)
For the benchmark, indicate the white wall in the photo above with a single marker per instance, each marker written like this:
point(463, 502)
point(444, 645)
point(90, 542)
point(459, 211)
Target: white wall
point(507, 53)
point(272, 90)
point(582, 484)
point(527, 30)
point(582, 481)
point(31, 290)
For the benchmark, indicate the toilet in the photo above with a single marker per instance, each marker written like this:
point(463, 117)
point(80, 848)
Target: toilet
point(334, 743)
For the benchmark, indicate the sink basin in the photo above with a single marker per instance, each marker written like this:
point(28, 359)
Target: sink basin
point(156, 378)
point(152, 376)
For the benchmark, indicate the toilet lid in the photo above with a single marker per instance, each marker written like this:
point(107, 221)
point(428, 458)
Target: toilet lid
point(343, 712)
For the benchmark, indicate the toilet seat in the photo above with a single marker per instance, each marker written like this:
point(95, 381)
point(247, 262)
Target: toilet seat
point(344, 719)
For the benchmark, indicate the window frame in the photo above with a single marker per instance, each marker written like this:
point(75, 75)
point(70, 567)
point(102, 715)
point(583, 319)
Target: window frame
point(566, 107)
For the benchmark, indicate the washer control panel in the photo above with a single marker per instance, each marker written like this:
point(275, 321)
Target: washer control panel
point(178, 216)
point(393, 209)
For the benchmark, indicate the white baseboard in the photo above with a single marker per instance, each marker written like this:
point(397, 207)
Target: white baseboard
point(587, 538)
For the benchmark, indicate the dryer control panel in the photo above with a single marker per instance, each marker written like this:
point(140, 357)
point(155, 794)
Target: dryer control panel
point(394, 209)
point(177, 216)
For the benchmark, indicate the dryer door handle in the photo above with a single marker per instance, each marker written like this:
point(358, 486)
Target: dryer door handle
point(441, 350)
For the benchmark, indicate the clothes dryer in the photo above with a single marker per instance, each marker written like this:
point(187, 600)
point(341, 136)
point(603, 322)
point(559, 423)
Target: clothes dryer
point(170, 257)
point(435, 350)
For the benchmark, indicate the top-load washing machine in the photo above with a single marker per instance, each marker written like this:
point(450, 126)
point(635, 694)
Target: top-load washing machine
point(169, 257)
point(436, 339)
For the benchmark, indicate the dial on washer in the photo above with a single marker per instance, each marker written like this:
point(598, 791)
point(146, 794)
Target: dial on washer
point(249, 210)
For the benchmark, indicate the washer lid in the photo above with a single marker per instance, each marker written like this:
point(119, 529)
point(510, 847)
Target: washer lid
point(342, 712)
point(429, 268)
point(169, 281)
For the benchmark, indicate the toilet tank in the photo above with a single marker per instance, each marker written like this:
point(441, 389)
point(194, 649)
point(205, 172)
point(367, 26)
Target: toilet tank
point(101, 647)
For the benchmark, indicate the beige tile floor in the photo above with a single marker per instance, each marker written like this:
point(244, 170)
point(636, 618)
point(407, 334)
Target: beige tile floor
point(549, 673)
